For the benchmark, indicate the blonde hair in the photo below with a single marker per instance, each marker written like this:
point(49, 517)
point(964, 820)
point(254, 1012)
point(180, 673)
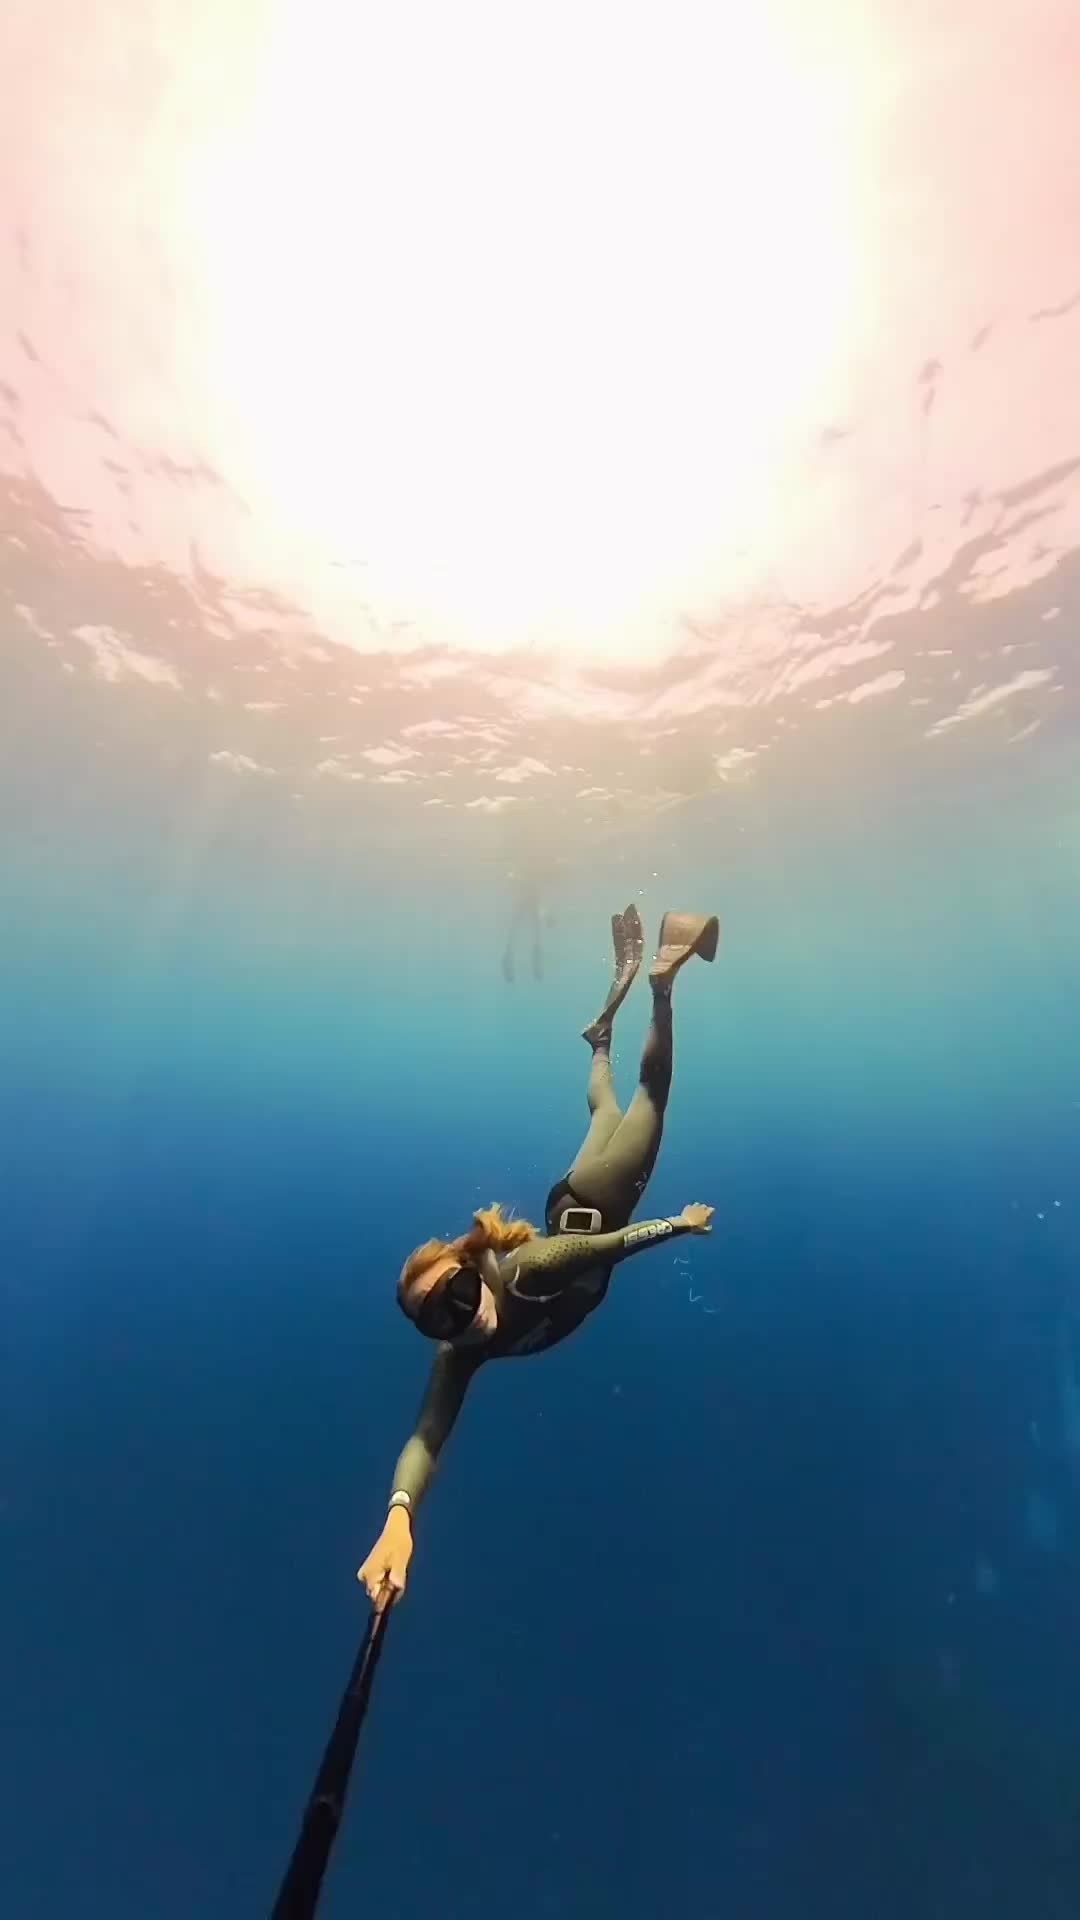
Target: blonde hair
point(491, 1228)
point(498, 1230)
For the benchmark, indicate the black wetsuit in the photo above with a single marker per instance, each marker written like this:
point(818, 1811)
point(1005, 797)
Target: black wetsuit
point(545, 1289)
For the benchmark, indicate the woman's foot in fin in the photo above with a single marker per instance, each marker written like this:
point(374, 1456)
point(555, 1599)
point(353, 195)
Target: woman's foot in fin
point(628, 939)
point(682, 935)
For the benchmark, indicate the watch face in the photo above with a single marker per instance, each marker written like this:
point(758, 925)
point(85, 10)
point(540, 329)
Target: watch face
point(580, 1220)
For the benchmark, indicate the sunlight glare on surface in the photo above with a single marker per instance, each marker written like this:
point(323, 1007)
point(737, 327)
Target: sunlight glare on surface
point(518, 310)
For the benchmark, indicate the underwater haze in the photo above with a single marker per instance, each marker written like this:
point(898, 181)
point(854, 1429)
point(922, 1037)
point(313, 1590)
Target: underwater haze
point(328, 750)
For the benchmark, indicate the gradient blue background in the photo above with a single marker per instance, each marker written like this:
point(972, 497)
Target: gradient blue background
point(694, 1625)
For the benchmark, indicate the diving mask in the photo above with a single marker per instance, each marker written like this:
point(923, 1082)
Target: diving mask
point(450, 1306)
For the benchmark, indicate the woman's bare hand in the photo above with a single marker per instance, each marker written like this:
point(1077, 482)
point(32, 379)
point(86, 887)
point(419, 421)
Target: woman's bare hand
point(696, 1217)
point(384, 1572)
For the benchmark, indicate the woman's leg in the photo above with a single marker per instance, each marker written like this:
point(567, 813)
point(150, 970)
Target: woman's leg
point(614, 1179)
point(606, 1115)
point(612, 1170)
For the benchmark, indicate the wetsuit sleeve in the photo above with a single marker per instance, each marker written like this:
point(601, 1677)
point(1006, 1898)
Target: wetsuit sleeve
point(450, 1376)
point(552, 1261)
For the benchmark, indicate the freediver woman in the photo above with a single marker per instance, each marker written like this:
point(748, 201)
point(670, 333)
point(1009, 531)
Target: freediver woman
point(503, 1288)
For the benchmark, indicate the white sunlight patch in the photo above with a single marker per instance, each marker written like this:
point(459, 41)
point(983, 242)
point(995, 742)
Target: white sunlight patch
point(517, 308)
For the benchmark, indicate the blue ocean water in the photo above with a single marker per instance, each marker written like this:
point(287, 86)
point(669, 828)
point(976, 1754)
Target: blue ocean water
point(463, 470)
point(758, 1597)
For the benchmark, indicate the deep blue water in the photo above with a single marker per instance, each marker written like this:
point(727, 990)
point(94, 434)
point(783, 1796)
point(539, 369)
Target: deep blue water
point(767, 1612)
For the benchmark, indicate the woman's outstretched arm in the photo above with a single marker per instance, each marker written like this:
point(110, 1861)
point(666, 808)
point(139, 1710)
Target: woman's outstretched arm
point(549, 1263)
point(384, 1571)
